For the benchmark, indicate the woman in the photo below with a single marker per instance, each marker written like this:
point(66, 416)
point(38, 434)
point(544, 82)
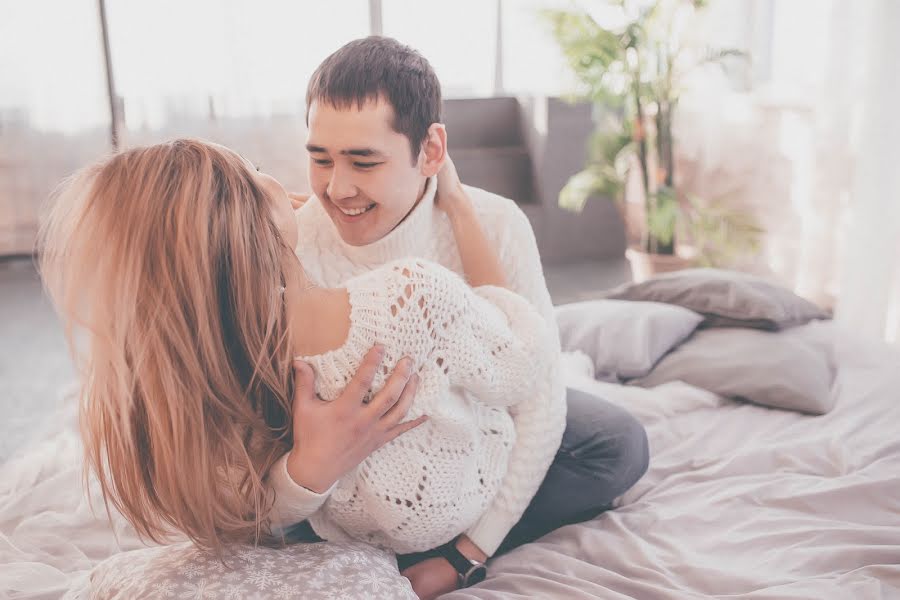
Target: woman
point(172, 267)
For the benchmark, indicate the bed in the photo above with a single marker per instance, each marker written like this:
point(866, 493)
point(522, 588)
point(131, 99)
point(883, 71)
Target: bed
point(741, 500)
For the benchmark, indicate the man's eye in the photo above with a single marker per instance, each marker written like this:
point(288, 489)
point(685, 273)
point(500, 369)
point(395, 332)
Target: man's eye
point(366, 165)
point(322, 161)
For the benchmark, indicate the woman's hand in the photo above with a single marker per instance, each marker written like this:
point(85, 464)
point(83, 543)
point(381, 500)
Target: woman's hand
point(480, 259)
point(450, 194)
point(298, 200)
point(331, 438)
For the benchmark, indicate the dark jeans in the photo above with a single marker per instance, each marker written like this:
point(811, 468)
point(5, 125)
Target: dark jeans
point(603, 453)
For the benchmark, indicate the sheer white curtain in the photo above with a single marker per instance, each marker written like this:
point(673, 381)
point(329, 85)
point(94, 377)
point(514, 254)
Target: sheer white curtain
point(850, 233)
point(811, 147)
point(869, 299)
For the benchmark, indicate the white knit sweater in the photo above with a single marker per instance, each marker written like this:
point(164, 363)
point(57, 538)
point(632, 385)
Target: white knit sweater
point(537, 415)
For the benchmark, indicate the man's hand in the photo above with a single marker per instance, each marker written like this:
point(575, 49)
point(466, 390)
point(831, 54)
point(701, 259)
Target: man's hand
point(331, 438)
point(298, 200)
point(468, 549)
point(435, 576)
point(432, 577)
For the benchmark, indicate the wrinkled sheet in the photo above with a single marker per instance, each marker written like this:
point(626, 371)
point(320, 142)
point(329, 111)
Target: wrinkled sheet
point(739, 502)
point(53, 530)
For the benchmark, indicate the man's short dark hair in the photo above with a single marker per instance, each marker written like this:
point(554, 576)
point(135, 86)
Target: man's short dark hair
point(376, 66)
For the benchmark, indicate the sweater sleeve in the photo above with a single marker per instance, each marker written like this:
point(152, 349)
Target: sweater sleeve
point(292, 502)
point(488, 340)
point(540, 416)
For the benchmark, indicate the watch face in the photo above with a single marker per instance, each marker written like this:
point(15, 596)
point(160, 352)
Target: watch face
point(476, 575)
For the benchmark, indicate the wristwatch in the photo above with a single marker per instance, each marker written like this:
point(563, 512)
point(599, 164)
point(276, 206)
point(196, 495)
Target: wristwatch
point(470, 571)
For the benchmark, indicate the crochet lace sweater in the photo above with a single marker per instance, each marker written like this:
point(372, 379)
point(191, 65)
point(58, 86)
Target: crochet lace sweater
point(499, 435)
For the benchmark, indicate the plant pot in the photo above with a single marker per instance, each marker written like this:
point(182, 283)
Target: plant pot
point(645, 265)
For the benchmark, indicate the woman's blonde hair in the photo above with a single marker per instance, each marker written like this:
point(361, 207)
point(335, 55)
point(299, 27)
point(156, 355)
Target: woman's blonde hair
point(165, 265)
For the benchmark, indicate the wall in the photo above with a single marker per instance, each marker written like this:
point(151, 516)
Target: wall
point(526, 149)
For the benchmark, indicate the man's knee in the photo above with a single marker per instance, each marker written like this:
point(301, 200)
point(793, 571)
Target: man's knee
point(607, 441)
point(634, 451)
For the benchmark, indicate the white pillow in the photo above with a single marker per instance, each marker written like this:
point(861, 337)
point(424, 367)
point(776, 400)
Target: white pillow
point(789, 369)
point(310, 571)
point(623, 338)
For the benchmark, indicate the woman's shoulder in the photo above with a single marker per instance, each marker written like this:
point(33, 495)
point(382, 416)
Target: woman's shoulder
point(390, 291)
point(411, 271)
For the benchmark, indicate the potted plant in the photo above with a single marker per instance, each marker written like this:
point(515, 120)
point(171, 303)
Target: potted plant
point(631, 57)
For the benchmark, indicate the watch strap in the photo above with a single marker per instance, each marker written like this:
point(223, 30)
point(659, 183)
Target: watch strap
point(456, 558)
point(465, 567)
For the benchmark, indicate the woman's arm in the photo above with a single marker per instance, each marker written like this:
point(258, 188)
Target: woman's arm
point(489, 341)
point(331, 438)
point(480, 260)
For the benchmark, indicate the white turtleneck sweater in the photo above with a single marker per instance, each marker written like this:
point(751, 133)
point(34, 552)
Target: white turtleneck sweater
point(538, 418)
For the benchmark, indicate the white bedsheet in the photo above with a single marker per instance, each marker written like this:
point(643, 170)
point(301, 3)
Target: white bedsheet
point(51, 532)
point(739, 502)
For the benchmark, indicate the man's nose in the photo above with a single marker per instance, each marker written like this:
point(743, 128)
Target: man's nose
point(340, 185)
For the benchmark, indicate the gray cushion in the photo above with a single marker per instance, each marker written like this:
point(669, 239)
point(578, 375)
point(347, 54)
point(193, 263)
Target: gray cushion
point(623, 339)
point(726, 298)
point(784, 370)
point(309, 571)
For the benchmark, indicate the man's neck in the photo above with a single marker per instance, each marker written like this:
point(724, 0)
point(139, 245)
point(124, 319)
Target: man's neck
point(422, 189)
point(416, 235)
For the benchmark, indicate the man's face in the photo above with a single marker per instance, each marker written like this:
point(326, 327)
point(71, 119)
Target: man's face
point(361, 169)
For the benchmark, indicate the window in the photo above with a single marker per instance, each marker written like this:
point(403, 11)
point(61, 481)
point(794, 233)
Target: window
point(232, 72)
point(458, 39)
point(532, 60)
point(54, 109)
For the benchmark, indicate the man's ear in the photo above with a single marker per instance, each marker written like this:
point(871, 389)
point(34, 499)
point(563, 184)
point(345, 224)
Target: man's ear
point(434, 150)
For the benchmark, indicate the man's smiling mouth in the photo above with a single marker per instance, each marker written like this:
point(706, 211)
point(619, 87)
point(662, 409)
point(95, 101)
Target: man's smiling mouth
point(352, 212)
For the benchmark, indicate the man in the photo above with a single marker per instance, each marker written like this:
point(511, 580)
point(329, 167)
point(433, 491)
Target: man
point(375, 146)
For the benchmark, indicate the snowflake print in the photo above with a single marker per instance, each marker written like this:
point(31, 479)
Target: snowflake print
point(357, 558)
point(308, 578)
point(164, 589)
point(234, 591)
point(262, 579)
point(201, 590)
point(341, 593)
point(375, 581)
point(191, 570)
point(343, 560)
point(287, 592)
point(246, 555)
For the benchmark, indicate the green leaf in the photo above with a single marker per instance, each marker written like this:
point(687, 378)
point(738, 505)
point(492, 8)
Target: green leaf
point(593, 53)
point(607, 148)
point(585, 183)
point(644, 64)
point(720, 54)
point(662, 218)
point(721, 234)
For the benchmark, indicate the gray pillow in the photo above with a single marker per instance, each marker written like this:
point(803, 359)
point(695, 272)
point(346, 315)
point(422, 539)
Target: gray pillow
point(776, 369)
point(309, 571)
point(726, 298)
point(623, 339)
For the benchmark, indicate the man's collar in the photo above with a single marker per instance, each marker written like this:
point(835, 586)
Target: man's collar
point(410, 238)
